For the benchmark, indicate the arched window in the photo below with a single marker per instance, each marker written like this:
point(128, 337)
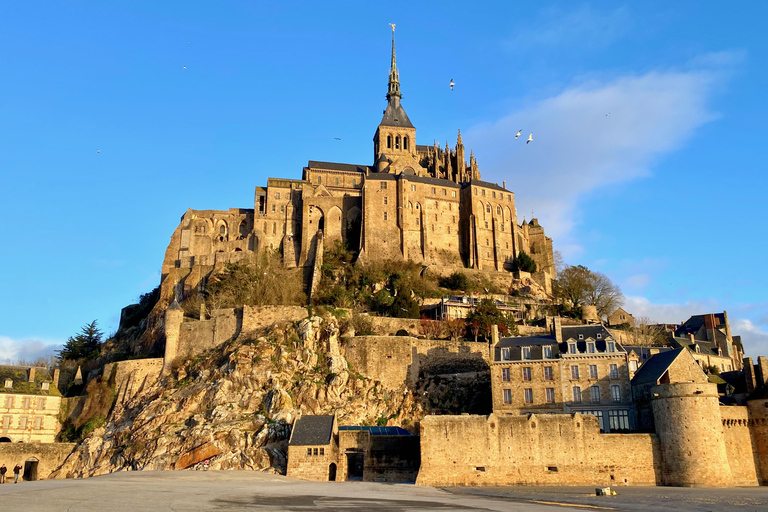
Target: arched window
point(389, 141)
point(397, 142)
point(405, 142)
point(222, 230)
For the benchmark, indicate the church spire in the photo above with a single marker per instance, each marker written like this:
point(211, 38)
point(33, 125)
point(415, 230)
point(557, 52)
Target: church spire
point(393, 90)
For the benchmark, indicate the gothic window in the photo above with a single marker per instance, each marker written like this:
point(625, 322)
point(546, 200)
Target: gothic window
point(397, 142)
point(389, 141)
point(405, 142)
point(222, 230)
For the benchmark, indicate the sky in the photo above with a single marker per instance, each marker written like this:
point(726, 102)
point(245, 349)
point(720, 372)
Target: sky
point(116, 117)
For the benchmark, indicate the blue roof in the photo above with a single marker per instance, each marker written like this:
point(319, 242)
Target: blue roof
point(381, 431)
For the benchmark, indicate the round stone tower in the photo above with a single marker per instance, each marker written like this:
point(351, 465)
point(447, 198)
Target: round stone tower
point(687, 418)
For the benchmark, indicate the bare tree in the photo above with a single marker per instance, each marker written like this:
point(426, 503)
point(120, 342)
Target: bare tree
point(577, 286)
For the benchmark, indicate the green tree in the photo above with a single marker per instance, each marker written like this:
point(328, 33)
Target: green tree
point(524, 263)
point(487, 314)
point(404, 306)
point(86, 344)
point(455, 281)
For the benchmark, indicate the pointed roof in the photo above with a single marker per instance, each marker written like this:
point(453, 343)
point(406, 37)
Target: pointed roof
point(655, 367)
point(394, 115)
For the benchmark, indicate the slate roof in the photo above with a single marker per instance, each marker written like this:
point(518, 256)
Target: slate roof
point(645, 352)
point(394, 115)
point(705, 347)
point(20, 377)
point(380, 431)
point(312, 430)
point(485, 184)
point(588, 331)
point(655, 367)
point(570, 334)
point(335, 166)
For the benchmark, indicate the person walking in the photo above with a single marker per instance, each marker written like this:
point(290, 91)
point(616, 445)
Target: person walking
point(16, 470)
point(3, 471)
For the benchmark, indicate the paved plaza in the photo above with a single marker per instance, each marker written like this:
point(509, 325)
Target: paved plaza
point(180, 491)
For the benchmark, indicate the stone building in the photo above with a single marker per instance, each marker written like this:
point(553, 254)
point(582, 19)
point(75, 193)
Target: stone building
point(714, 329)
point(422, 203)
point(574, 369)
point(29, 405)
point(707, 353)
point(459, 306)
point(619, 317)
point(320, 450)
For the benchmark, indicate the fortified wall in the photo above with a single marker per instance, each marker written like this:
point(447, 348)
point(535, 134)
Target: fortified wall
point(39, 460)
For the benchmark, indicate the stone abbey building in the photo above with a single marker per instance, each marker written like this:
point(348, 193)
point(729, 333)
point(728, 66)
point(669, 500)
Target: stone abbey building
point(415, 202)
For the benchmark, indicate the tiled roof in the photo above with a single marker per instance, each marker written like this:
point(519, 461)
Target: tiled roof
point(655, 367)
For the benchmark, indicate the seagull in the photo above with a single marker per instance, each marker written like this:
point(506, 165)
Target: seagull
point(185, 67)
point(188, 42)
point(519, 132)
point(530, 138)
point(606, 115)
point(452, 84)
point(336, 138)
point(98, 151)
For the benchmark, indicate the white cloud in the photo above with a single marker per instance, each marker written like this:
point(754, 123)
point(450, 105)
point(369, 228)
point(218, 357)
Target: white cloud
point(637, 281)
point(584, 26)
point(754, 338)
point(578, 149)
point(13, 350)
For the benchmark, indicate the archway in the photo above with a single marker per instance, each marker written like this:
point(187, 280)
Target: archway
point(354, 224)
point(332, 472)
point(5, 440)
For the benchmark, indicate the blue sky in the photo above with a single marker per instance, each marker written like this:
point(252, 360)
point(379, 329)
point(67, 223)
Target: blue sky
point(665, 195)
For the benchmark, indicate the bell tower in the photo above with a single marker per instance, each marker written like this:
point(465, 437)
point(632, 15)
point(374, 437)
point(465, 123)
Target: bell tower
point(395, 135)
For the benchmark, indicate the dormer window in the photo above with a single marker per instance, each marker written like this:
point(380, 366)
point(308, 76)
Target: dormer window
point(611, 346)
point(547, 352)
point(591, 348)
point(505, 355)
point(526, 351)
point(8, 384)
point(571, 348)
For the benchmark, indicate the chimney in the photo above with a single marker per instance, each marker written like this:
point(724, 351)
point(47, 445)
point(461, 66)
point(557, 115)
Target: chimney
point(557, 329)
point(690, 337)
point(761, 375)
point(31, 374)
point(56, 374)
point(494, 334)
point(505, 184)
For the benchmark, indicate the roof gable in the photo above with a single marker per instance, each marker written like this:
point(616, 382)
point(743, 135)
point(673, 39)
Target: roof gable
point(312, 430)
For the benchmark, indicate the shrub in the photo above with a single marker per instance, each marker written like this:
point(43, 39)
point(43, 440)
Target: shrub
point(455, 281)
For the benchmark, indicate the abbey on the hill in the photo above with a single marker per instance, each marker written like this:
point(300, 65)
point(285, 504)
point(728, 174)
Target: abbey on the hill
point(419, 203)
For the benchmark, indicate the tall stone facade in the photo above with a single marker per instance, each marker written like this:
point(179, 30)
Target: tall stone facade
point(415, 202)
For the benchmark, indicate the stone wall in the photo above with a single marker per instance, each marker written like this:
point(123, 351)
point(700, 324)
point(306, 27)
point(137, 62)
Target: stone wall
point(397, 360)
point(386, 326)
point(49, 456)
point(551, 449)
point(739, 446)
point(758, 415)
point(131, 377)
point(312, 467)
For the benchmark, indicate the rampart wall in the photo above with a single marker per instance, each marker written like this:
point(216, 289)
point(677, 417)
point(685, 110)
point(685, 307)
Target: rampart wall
point(397, 360)
point(552, 449)
point(758, 413)
point(49, 456)
point(740, 448)
point(131, 377)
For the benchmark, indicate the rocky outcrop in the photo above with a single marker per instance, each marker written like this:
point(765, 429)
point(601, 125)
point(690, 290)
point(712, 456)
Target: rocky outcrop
point(234, 407)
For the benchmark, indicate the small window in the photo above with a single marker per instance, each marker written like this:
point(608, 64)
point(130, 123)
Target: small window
point(319, 180)
point(389, 141)
point(383, 185)
point(599, 335)
point(354, 183)
point(487, 242)
point(486, 225)
point(46, 386)
point(385, 215)
point(505, 374)
point(614, 371)
point(418, 222)
point(488, 208)
point(571, 348)
point(315, 451)
point(611, 346)
point(309, 451)
point(445, 192)
point(322, 451)
point(593, 371)
point(277, 195)
point(483, 193)
point(528, 395)
point(273, 209)
point(591, 348)
point(386, 200)
point(336, 181)
point(453, 193)
point(454, 219)
point(413, 188)
point(25, 402)
point(434, 190)
point(594, 394)
point(576, 394)
point(574, 372)
point(449, 229)
point(38, 423)
point(507, 396)
point(547, 352)
point(23, 422)
point(435, 217)
point(526, 352)
point(547, 373)
point(282, 208)
point(633, 366)
point(505, 354)
point(509, 198)
point(526, 373)
point(475, 191)
point(9, 402)
point(493, 194)
point(616, 393)
point(550, 395)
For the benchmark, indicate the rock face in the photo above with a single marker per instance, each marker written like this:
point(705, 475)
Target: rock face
point(235, 406)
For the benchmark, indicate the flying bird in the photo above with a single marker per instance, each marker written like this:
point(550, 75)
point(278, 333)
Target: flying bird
point(185, 68)
point(606, 115)
point(530, 138)
point(452, 84)
point(519, 132)
point(187, 42)
point(98, 151)
point(336, 138)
